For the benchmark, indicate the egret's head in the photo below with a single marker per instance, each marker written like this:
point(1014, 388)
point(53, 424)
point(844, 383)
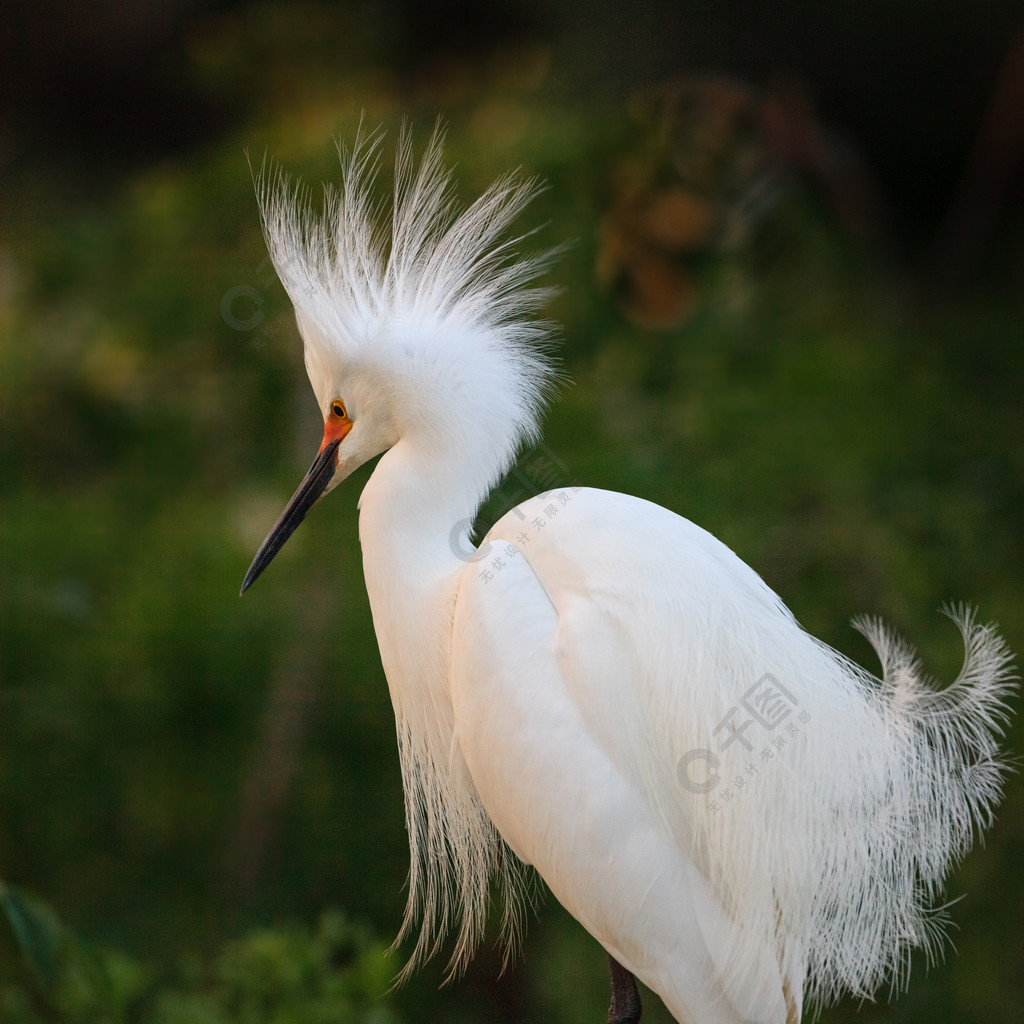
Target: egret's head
point(358, 425)
point(415, 327)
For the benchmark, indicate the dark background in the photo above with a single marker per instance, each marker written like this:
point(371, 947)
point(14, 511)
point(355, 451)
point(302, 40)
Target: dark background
point(839, 401)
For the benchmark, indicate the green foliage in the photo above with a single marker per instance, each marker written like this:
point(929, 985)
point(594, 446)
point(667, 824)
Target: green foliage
point(285, 975)
point(37, 932)
point(176, 764)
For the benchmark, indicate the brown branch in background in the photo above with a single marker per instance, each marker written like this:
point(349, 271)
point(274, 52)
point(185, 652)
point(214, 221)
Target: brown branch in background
point(826, 161)
point(994, 165)
point(707, 160)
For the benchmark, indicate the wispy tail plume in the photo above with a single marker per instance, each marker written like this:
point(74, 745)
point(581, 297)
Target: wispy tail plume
point(943, 775)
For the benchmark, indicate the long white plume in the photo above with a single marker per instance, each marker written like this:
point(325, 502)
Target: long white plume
point(832, 847)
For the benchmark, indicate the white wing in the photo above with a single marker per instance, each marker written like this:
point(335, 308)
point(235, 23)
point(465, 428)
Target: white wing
point(730, 806)
point(555, 690)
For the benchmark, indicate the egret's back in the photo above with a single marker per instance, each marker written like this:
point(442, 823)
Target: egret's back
point(823, 806)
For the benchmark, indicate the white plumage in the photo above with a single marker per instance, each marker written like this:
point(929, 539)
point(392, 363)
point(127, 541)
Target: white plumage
point(742, 817)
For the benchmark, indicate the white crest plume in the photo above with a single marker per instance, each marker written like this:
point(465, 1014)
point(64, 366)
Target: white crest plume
point(431, 302)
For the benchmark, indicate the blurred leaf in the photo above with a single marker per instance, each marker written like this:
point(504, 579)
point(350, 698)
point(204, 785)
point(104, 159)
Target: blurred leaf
point(38, 933)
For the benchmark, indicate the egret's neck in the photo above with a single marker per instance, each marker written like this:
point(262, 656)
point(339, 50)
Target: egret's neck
point(413, 514)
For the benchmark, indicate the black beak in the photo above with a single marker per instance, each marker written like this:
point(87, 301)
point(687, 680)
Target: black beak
point(309, 491)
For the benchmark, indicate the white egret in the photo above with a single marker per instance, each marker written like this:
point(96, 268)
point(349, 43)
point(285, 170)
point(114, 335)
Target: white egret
point(744, 819)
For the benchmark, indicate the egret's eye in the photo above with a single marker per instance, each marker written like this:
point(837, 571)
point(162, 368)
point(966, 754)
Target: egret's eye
point(338, 408)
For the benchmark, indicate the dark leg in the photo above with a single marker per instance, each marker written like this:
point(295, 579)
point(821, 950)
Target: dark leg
point(625, 1006)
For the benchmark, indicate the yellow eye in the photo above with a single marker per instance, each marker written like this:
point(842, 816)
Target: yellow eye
point(338, 408)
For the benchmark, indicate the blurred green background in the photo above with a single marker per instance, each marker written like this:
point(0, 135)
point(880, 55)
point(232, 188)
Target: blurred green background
point(792, 312)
